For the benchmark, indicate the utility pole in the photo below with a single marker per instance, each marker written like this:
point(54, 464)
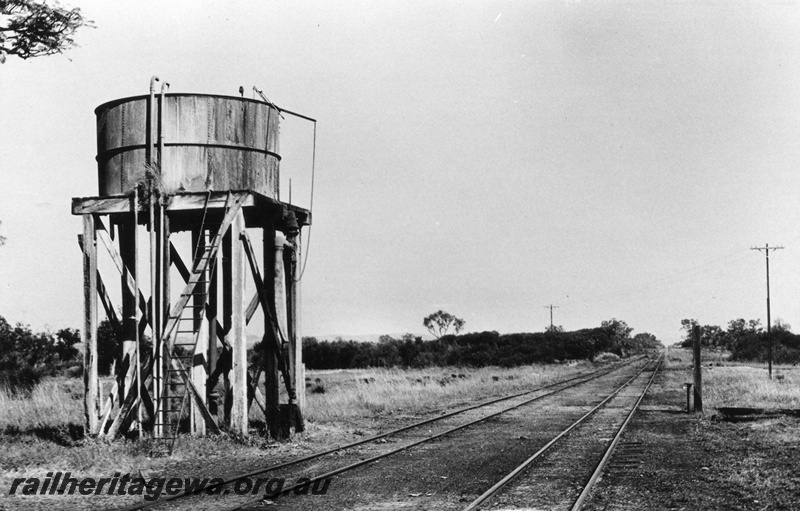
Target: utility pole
point(766, 248)
point(551, 307)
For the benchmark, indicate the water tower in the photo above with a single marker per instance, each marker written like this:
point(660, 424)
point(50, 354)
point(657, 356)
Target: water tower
point(174, 164)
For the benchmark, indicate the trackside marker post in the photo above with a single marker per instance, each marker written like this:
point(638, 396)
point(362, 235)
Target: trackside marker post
point(688, 387)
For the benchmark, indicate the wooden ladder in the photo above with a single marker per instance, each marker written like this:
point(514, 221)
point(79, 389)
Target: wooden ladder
point(186, 319)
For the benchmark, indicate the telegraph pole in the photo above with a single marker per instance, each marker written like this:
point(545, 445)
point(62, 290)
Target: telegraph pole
point(551, 307)
point(766, 248)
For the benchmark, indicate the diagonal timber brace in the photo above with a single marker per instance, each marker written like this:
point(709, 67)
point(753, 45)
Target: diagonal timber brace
point(269, 315)
point(105, 238)
point(105, 299)
point(198, 399)
point(123, 411)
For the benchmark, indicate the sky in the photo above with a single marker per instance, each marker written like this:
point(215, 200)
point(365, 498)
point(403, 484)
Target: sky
point(612, 158)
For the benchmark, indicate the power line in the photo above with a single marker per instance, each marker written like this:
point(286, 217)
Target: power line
point(551, 307)
point(766, 248)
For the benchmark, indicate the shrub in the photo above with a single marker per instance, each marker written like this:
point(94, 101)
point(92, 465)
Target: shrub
point(604, 358)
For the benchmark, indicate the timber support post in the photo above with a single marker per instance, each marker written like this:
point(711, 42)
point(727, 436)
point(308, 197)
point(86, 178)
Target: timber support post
point(271, 375)
point(91, 381)
point(698, 376)
point(238, 338)
point(293, 300)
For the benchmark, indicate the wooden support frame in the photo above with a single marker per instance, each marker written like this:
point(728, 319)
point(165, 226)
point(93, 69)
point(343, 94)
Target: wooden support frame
point(130, 391)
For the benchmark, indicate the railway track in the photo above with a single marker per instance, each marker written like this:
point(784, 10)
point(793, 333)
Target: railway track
point(470, 415)
point(562, 489)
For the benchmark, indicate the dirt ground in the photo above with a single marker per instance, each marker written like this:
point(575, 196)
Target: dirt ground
point(680, 461)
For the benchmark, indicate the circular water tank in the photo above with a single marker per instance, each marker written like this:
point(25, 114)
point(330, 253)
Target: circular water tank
point(209, 143)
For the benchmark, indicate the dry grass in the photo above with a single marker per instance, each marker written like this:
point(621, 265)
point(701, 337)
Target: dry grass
point(54, 403)
point(727, 383)
point(750, 387)
point(374, 392)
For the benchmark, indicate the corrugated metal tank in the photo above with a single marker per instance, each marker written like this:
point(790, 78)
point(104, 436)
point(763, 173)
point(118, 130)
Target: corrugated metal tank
point(210, 143)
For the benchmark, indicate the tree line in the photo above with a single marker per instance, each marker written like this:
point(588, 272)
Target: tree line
point(478, 349)
point(747, 341)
